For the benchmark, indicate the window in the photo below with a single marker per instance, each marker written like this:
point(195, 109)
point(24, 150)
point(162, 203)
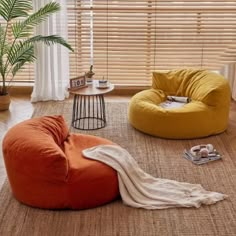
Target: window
point(126, 40)
point(133, 38)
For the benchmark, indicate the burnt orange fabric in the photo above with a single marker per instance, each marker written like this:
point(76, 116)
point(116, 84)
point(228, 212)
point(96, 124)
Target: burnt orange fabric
point(46, 168)
point(98, 183)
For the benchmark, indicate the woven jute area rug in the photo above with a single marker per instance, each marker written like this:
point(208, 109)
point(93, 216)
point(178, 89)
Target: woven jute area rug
point(159, 157)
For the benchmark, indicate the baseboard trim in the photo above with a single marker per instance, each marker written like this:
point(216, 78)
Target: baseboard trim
point(119, 90)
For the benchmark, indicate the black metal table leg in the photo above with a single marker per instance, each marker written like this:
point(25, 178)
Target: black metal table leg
point(88, 112)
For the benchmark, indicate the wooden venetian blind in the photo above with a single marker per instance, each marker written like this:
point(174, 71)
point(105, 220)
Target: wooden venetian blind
point(126, 40)
point(129, 39)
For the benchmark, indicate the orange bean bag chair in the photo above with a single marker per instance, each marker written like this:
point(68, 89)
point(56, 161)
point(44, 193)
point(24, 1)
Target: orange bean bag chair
point(46, 168)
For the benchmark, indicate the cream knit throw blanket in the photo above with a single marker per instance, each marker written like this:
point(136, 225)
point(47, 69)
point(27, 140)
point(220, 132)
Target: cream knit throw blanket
point(141, 190)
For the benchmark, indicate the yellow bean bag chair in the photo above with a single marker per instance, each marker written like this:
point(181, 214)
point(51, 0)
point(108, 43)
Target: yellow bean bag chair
point(206, 114)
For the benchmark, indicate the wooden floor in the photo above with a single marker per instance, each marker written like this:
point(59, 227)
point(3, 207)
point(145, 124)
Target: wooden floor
point(21, 109)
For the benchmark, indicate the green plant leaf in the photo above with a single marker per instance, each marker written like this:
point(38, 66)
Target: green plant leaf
point(2, 33)
point(19, 65)
point(21, 52)
point(26, 55)
point(10, 9)
point(50, 40)
point(20, 32)
point(24, 28)
point(3, 47)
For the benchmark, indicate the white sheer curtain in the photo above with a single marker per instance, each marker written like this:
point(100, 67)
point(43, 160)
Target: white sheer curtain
point(52, 64)
point(229, 72)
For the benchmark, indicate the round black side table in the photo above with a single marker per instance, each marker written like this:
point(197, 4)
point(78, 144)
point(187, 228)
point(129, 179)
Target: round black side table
point(89, 111)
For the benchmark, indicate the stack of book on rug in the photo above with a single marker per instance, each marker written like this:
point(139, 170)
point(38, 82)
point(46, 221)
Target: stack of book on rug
point(202, 154)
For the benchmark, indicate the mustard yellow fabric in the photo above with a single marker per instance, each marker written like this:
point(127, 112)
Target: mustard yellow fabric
point(207, 113)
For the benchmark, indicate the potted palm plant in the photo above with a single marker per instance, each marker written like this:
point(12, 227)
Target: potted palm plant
point(18, 21)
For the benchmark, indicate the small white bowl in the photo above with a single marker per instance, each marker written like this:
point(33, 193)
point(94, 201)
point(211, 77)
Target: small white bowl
point(103, 83)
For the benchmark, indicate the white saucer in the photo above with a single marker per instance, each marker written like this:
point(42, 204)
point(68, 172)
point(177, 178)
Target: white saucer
point(102, 87)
